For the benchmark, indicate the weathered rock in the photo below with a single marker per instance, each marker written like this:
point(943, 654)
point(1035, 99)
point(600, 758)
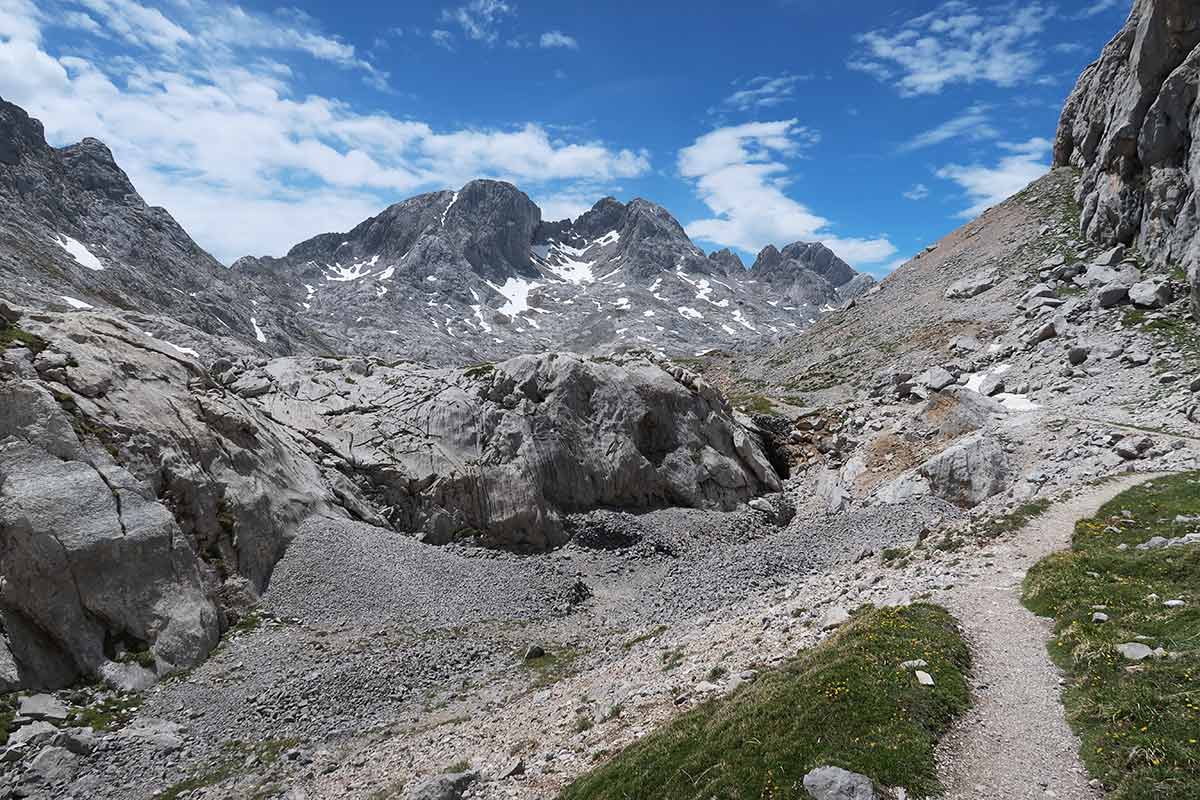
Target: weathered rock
point(443, 787)
point(1150, 294)
point(43, 707)
point(936, 378)
point(835, 783)
point(55, 765)
point(1130, 126)
point(969, 472)
point(972, 285)
point(992, 385)
point(834, 617)
point(1112, 294)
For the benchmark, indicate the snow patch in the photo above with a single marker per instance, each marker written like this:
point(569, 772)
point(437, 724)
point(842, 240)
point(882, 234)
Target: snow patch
point(73, 303)
point(687, 311)
point(387, 274)
point(516, 293)
point(81, 254)
point(258, 333)
point(453, 200)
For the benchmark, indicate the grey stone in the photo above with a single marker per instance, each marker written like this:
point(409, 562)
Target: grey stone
point(1112, 294)
point(936, 378)
point(43, 707)
point(969, 472)
point(55, 765)
point(1150, 294)
point(835, 783)
point(157, 733)
point(1134, 651)
point(443, 787)
point(991, 385)
point(33, 734)
point(972, 285)
point(834, 617)
point(924, 678)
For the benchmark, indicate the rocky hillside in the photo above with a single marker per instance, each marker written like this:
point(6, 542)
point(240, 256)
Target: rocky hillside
point(1130, 126)
point(477, 274)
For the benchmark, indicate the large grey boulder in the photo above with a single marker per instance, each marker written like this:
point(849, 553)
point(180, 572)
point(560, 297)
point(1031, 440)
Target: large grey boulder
point(1130, 126)
point(970, 471)
point(835, 783)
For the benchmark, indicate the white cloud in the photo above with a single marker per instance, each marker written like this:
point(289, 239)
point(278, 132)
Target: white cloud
point(552, 39)
point(479, 18)
point(19, 19)
point(739, 175)
point(986, 186)
point(918, 192)
point(972, 123)
point(137, 24)
point(442, 38)
point(956, 43)
point(764, 92)
point(221, 135)
point(1099, 7)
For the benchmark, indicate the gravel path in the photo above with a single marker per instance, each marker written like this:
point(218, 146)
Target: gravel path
point(1015, 743)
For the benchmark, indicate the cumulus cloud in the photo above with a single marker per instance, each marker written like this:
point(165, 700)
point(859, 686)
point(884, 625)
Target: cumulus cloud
point(973, 123)
point(918, 192)
point(553, 39)
point(764, 91)
point(214, 127)
point(740, 175)
point(985, 186)
point(958, 42)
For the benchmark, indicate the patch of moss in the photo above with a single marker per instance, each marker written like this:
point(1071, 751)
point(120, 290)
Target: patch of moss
point(12, 336)
point(653, 633)
point(1015, 520)
point(480, 370)
point(109, 714)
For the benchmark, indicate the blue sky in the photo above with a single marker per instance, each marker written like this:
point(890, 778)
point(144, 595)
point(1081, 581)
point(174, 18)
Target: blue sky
point(876, 129)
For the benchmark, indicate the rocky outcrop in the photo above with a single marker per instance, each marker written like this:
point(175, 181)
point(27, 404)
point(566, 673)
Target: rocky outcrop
point(145, 499)
point(1129, 126)
point(499, 453)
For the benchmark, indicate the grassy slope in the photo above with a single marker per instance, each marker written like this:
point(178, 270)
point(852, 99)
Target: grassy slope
point(1139, 723)
point(845, 702)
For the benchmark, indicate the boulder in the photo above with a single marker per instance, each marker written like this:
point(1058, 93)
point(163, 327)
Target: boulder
point(835, 783)
point(991, 385)
point(972, 285)
point(834, 617)
point(55, 765)
point(43, 707)
point(1112, 294)
point(936, 378)
point(969, 472)
point(1150, 294)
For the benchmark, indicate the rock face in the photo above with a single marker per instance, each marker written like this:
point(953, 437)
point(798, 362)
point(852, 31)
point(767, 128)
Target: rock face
point(498, 452)
point(1130, 126)
point(144, 497)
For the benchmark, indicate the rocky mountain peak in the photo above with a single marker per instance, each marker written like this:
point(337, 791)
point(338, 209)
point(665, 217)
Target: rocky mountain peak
point(19, 134)
point(727, 261)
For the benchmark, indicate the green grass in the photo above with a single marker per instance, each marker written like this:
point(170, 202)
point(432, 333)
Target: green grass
point(552, 667)
point(1139, 723)
point(234, 755)
point(752, 403)
point(480, 370)
point(13, 336)
point(110, 714)
point(653, 633)
point(1015, 520)
point(845, 702)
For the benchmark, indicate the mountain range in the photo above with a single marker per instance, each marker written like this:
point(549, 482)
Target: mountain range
point(445, 277)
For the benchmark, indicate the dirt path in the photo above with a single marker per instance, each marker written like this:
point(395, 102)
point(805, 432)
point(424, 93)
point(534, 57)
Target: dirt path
point(1015, 743)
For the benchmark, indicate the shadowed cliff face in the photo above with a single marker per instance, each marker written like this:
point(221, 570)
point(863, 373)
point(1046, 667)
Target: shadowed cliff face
point(1129, 126)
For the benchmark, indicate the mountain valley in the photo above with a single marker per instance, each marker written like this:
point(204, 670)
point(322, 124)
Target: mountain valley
point(464, 503)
